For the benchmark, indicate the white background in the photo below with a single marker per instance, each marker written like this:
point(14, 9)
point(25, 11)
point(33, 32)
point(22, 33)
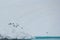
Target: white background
point(36, 16)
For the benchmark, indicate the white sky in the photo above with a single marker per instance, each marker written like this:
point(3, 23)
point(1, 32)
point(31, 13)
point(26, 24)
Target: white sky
point(36, 16)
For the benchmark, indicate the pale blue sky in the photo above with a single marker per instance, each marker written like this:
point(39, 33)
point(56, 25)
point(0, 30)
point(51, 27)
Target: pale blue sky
point(36, 16)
